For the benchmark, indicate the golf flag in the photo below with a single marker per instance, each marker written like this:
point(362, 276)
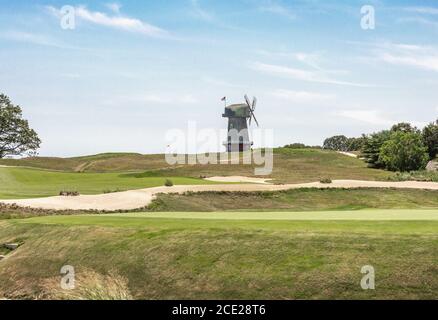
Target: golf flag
point(224, 98)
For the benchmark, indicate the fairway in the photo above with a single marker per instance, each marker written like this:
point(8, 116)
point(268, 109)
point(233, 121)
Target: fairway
point(17, 183)
point(372, 215)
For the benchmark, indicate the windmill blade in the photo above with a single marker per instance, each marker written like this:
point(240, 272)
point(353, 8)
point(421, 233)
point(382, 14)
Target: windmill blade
point(254, 102)
point(255, 119)
point(247, 101)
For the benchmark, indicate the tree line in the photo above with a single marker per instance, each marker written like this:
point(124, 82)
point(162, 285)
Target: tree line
point(401, 148)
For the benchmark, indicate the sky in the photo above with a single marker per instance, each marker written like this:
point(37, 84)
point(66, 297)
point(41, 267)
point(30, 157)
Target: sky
point(130, 71)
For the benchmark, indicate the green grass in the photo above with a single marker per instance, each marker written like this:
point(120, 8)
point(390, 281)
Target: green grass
point(222, 256)
point(290, 166)
point(39, 177)
point(298, 200)
point(29, 183)
point(363, 215)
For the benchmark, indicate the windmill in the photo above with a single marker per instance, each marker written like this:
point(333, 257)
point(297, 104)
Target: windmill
point(239, 115)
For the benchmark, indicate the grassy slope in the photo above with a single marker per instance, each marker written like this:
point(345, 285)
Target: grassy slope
point(290, 165)
point(112, 171)
point(198, 258)
point(297, 200)
point(27, 183)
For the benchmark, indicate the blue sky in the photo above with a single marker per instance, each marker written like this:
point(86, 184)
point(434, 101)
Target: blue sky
point(131, 70)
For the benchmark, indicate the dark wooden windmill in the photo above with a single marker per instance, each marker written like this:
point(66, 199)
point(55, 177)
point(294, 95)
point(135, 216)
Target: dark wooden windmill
point(239, 116)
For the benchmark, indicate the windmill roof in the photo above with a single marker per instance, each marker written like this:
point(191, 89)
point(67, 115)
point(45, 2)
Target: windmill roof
point(237, 110)
point(235, 107)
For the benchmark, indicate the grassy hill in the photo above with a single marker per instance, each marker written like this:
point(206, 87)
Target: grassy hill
point(24, 182)
point(221, 258)
point(290, 165)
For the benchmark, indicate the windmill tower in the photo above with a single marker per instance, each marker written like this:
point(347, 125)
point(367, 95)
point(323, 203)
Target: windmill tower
point(238, 116)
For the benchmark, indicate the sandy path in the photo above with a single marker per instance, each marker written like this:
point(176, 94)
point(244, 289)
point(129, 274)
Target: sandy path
point(134, 199)
point(239, 179)
point(348, 154)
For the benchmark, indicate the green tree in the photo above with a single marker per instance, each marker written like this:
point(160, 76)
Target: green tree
point(404, 151)
point(430, 138)
point(355, 144)
point(371, 148)
point(16, 137)
point(403, 127)
point(338, 143)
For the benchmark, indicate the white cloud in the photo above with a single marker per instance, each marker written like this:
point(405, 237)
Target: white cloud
point(373, 117)
point(277, 9)
point(304, 75)
point(422, 10)
point(116, 22)
point(201, 13)
point(35, 38)
point(29, 37)
point(409, 55)
point(114, 7)
point(302, 96)
point(153, 98)
point(222, 83)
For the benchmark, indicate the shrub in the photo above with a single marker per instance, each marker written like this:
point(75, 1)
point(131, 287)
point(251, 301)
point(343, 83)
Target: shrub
point(168, 183)
point(69, 193)
point(325, 180)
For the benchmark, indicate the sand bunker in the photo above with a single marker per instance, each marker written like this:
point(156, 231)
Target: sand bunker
point(135, 199)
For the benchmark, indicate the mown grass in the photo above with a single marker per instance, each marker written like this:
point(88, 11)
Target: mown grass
point(298, 200)
point(18, 183)
point(225, 259)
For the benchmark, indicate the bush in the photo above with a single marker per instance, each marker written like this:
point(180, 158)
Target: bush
point(65, 193)
point(168, 183)
point(404, 151)
point(325, 180)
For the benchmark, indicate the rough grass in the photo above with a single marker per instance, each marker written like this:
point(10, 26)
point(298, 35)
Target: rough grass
point(226, 259)
point(89, 285)
point(297, 200)
point(415, 176)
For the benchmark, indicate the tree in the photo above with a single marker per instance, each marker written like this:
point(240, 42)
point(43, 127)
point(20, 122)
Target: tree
point(355, 144)
point(403, 127)
point(338, 143)
point(16, 137)
point(371, 148)
point(295, 146)
point(404, 151)
point(430, 139)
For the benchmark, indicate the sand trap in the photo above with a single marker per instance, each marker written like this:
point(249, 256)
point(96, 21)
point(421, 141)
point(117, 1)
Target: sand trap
point(238, 179)
point(134, 199)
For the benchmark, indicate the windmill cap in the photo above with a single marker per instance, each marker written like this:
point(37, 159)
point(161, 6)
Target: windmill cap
point(237, 110)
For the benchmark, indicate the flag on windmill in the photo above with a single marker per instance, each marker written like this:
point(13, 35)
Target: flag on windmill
point(225, 101)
